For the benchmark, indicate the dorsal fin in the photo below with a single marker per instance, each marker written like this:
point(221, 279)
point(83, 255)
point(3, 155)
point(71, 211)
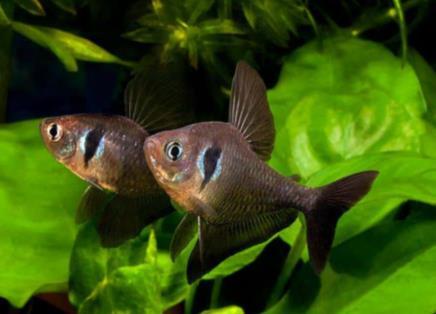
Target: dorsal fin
point(249, 110)
point(159, 97)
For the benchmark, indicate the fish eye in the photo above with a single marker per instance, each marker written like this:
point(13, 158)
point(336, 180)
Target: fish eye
point(54, 132)
point(174, 151)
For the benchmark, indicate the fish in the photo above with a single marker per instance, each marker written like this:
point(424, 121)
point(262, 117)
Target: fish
point(107, 152)
point(217, 172)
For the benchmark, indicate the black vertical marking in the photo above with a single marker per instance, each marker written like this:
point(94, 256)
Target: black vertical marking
point(92, 141)
point(210, 161)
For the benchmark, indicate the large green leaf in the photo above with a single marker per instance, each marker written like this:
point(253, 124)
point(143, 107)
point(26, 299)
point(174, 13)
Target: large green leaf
point(387, 269)
point(333, 102)
point(403, 176)
point(38, 198)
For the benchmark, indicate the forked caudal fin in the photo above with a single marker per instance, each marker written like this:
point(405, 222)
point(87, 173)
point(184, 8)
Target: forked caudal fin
point(335, 199)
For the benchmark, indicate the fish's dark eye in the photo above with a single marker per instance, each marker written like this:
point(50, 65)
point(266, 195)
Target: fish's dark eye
point(54, 132)
point(174, 151)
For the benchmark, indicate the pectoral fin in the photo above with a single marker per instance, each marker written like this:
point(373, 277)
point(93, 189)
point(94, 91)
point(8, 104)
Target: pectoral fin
point(124, 217)
point(249, 110)
point(217, 242)
point(93, 202)
point(183, 234)
point(202, 209)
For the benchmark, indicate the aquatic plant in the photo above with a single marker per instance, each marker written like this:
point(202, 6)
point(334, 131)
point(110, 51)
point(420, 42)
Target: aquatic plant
point(342, 103)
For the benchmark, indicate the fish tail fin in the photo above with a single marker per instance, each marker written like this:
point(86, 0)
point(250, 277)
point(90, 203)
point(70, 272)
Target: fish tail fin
point(334, 200)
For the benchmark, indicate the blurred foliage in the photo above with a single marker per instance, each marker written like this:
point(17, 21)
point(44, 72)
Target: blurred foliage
point(38, 198)
point(201, 30)
point(343, 104)
point(125, 279)
point(340, 105)
point(129, 278)
point(66, 46)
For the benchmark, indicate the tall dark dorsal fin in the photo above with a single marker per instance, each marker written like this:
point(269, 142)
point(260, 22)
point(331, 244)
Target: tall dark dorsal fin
point(249, 110)
point(159, 97)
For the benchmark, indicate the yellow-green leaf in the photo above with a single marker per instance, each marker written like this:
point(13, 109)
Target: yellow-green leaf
point(32, 6)
point(82, 48)
point(3, 18)
point(36, 35)
point(66, 5)
point(232, 309)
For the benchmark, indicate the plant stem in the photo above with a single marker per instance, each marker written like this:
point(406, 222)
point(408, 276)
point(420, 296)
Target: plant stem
point(5, 58)
point(385, 17)
point(289, 265)
point(216, 288)
point(402, 25)
point(189, 302)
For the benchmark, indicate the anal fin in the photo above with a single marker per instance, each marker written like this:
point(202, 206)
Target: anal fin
point(219, 241)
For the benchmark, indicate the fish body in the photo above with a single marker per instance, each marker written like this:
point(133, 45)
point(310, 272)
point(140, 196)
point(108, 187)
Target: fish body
point(107, 152)
point(217, 172)
point(104, 150)
point(222, 171)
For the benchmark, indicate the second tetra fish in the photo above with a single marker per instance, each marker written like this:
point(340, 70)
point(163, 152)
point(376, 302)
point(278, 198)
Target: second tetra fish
point(106, 151)
point(217, 172)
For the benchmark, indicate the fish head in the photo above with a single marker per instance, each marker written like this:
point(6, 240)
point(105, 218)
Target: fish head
point(59, 136)
point(172, 156)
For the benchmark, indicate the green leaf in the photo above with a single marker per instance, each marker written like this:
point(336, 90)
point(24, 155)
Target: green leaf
point(237, 261)
point(332, 103)
point(41, 38)
point(403, 176)
point(66, 5)
point(130, 278)
point(274, 20)
point(66, 46)
point(3, 18)
point(32, 6)
point(82, 48)
point(38, 198)
point(197, 8)
point(233, 309)
point(173, 282)
point(219, 26)
point(427, 79)
point(387, 269)
point(147, 35)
